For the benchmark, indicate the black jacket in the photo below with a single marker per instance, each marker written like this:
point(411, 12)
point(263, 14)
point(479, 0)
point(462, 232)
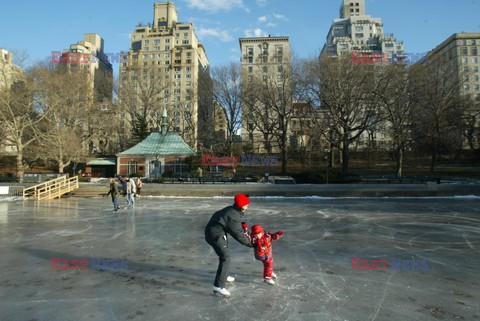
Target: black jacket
point(226, 221)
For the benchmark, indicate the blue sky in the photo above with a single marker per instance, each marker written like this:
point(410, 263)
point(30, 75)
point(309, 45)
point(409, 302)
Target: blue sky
point(40, 27)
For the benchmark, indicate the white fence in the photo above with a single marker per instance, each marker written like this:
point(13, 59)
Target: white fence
point(10, 191)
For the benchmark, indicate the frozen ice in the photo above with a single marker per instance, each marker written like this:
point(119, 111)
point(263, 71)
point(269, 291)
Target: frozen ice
point(171, 268)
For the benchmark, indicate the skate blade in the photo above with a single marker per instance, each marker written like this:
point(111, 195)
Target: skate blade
point(217, 294)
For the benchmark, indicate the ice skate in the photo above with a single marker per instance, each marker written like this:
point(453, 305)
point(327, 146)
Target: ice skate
point(269, 281)
point(221, 291)
point(230, 279)
point(274, 276)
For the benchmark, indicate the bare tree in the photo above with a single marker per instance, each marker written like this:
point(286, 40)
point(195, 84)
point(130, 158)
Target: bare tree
point(21, 112)
point(141, 94)
point(341, 92)
point(394, 92)
point(268, 97)
point(437, 115)
point(65, 134)
point(206, 109)
point(227, 92)
point(471, 116)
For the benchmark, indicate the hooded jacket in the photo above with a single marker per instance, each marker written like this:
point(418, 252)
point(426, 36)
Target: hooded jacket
point(227, 221)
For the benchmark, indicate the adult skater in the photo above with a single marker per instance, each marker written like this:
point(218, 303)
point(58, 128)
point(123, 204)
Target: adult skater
point(226, 221)
point(114, 192)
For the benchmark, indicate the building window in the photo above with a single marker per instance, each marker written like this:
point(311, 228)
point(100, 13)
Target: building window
point(359, 28)
point(359, 35)
point(475, 60)
point(167, 47)
point(474, 51)
point(250, 69)
point(465, 60)
point(189, 76)
point(464, 51)
point(156, 41)
point(250, 60)
point(146, 42)
point(167, 40)
point(132, 167)
point(185, 42)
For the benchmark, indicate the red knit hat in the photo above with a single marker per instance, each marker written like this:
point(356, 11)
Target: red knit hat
point(241, 200)
point(256, 229)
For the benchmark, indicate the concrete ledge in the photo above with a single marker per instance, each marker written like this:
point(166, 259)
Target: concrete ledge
point(330, 190)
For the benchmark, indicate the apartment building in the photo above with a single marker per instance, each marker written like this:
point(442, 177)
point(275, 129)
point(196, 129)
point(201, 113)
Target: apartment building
point(161, 70)
point(88, 54)
point(460, 53)
point(265, 61)
point(9, 73)
point(358, 36)
point(357, 32)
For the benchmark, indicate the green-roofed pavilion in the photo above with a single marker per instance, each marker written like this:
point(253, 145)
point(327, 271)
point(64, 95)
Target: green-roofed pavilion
point(149, 157)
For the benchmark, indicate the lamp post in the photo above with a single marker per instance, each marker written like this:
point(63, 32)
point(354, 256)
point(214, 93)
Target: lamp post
point(326, 150)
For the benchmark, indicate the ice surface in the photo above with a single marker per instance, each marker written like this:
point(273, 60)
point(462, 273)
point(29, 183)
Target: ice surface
point(171, 268)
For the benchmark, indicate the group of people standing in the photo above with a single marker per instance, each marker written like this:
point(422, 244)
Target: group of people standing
point(130, 186)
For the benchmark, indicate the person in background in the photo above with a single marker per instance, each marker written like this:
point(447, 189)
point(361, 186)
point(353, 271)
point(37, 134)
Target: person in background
point(114, 192)
point(200, 175)
point(131, 189)
point(139, 186)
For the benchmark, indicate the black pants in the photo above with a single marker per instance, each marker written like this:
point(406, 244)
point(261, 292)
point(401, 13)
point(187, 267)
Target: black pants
point(223, 251)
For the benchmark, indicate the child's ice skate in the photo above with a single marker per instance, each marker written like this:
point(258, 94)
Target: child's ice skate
point(274, 276)
point(230, 279)
point(269, 281)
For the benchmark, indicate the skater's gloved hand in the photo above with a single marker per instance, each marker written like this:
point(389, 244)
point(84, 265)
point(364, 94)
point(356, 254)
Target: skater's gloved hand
point(280, 233)
point(244, 226)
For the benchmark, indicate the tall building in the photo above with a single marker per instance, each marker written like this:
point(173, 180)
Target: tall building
point(9, 72)
point(355, 31)
point(265, 61)
point(89, 55)
point(161, 70)
point(461, 52)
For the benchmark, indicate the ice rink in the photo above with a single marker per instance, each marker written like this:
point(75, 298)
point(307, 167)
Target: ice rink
point(171, 268)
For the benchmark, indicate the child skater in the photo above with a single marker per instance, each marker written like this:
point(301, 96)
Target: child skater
point(262, 243)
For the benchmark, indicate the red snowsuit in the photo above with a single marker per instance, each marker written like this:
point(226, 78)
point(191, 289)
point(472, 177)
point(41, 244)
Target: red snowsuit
point(263, 251)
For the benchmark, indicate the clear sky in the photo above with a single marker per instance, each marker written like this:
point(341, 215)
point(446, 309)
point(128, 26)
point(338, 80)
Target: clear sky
point(40, 27)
